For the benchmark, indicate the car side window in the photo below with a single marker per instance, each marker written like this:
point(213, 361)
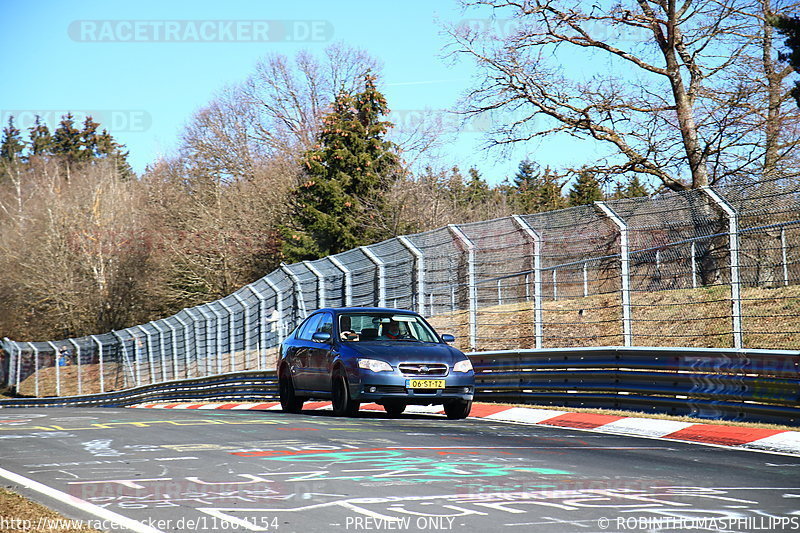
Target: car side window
point(308, 329)
point(325, 324)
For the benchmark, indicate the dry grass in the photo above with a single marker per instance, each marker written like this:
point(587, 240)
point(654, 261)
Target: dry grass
point(18, 514)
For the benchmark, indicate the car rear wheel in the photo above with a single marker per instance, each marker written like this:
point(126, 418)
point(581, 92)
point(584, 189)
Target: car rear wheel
point(457, 409)
point(394, 409)
point(290, 402)
point(343, 404)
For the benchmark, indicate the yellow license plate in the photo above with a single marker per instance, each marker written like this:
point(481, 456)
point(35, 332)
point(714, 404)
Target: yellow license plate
point(424, 383)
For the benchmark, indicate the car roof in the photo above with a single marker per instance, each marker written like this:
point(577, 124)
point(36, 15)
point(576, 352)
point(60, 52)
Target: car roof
point(342, 310)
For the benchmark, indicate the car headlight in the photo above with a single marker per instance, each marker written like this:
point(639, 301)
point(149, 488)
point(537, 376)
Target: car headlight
point(463, 366)
point(375, 365)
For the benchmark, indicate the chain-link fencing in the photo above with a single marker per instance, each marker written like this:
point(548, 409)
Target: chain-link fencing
point(715, 267)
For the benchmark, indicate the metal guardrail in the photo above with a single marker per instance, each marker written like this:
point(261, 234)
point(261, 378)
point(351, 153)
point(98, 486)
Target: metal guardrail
point(751, 385)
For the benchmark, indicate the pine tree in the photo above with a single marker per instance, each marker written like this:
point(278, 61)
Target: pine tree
point(340, 204)
point(789, 27)
point(585, 190)
point(12, 144)
point(67, 140)
point(41, 139)
point(636, 189)
point(548, 197)
point(477, 190)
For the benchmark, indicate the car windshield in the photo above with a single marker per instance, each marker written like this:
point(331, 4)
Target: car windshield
point(390, 327)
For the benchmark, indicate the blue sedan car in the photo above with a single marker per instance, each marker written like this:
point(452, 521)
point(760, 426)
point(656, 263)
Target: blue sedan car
point(386, 356)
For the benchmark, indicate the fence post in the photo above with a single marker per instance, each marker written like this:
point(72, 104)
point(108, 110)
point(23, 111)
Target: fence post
point(585, 279)
point(784, 257)
point(174, 348)
point(185, 346)
point(125, 361)
point(77, 348)
point(380, 265)
point(35, 369)
point(208, 365)
point(262, 330)
point(420, 259)
point(58, 368)
point(694, 265)
point(348, 280)
point(162, 346)
point(320, 283)
point(733, 240)
point(472, 287)
point(231, 335)
point(13, 360)
point(149, 354)
point(279, 326)
point(298, 291)
point(218, 326)
point(246, 327)
point(197, 353)
point(536, 242)
point(625, 268)
point(100, 362)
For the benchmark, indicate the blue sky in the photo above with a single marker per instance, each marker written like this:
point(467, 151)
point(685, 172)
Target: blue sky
point(145, 92)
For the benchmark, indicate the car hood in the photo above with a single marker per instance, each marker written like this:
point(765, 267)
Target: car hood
point(411, 352)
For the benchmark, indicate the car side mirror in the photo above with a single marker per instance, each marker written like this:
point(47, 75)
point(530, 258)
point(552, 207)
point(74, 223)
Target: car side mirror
point(321, 336)
point(448, 338)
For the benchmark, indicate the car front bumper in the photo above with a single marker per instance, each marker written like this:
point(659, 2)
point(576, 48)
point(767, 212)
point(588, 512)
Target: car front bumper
point(379, 387)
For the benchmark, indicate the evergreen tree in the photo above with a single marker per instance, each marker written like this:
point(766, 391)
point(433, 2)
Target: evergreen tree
point(636, 189)
point(585, 190)
point(548, 196)
point(41, 139)
point(477, 190)
point(340, 205)
point(67, 140)
point(12, 144)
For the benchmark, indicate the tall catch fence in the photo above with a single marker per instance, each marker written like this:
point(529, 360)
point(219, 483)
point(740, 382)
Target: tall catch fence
point(714, 268)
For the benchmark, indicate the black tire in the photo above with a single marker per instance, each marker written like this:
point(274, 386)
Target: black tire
point(343, 404)
point(457, 409)
point(290, 402)
point(394, 409)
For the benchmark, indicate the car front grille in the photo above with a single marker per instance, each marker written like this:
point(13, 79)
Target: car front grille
point(423, 369)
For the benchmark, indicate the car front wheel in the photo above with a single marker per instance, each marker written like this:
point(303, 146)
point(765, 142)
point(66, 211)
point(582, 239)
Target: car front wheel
point(394, 409)
point(457, 409)
point(343, 403)
point(290, 403)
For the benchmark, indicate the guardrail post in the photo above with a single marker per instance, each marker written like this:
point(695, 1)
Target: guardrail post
point(262, 319)
point(149, 354)
point(472, 286)
point(348, 280)
point(35, 369)
point(381, 267)
point(246, 327)
point(625, 268)
point(78, 361)
point(58, 368)
point(419, 257)
point(536, 242)
point(733, 236)
point(320, 283)
point(185, 346)
point(162, 346)
point(100, 362)
point(298, 292)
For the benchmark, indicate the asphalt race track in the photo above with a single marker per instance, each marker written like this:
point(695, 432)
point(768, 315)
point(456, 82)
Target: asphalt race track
point(233, 470)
